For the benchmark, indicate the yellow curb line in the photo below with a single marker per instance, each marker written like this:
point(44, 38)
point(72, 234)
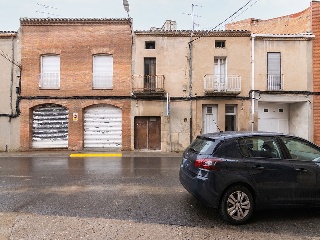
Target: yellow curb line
point(96, 155)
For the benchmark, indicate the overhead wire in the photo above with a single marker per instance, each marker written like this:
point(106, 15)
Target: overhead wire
point(231, 16)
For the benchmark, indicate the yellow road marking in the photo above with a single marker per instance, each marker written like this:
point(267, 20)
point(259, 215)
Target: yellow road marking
point(96, 155)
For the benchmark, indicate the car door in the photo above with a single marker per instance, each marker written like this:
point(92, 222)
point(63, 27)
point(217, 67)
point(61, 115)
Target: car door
point(273, 176)
point(305, 159)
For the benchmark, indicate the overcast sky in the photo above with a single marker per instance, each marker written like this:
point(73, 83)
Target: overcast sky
point(148, 13)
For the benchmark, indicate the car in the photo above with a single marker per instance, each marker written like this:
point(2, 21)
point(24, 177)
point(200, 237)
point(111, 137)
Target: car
point(239, 172)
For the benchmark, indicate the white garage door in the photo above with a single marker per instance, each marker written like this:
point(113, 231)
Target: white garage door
point(273, 117)
point(50, 127)
point(103, 127)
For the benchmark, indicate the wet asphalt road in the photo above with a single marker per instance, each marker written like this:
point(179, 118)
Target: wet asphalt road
point(122, 198)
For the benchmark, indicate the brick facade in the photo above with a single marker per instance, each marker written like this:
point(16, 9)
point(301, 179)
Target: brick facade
point(294, 23)
point(316, 68)
point(76, 41)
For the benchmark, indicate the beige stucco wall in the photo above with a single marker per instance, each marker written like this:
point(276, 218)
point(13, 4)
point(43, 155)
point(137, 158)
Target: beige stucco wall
point(296, 63)
point(9, 80)
point(238, 61)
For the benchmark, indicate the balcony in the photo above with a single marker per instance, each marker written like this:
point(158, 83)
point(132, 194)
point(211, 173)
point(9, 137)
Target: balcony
point(49, 81)
point(148, 85)
point(222, 84)
point(275, 82)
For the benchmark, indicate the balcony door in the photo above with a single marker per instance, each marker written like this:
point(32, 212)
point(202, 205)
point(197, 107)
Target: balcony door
point(150, 74)
point(274, 71)
point(220, 73)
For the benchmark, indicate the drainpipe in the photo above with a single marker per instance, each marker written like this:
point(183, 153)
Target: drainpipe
point(252, 82)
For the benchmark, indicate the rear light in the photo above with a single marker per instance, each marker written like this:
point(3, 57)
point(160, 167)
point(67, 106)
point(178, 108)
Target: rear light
point(208, 163)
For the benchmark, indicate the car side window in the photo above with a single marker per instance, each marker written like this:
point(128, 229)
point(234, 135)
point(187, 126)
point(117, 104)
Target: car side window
point(259, 147)
point(301, 150)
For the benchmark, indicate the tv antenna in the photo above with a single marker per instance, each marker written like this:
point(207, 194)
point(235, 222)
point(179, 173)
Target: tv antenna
point(193, 16)
point(45, 10)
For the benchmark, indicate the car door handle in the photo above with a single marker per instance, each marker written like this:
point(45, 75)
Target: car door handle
point(301, 170)
point(259, 167)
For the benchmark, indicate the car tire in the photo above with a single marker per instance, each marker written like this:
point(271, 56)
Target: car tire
point(237, 205)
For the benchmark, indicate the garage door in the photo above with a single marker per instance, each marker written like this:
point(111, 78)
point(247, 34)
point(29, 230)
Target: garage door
point(50, 127)
point(103, 127)
point(273, 117)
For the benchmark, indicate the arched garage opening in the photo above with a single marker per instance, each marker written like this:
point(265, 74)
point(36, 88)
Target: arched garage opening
point(103, 127)
point(50, 126)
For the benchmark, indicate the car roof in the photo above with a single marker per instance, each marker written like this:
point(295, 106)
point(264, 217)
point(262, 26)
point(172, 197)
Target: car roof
point(232, 134)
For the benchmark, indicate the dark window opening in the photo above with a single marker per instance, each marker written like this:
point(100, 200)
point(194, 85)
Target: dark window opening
point(151, 45)
point(220, 44)
point(266, 110)
point(280, 110)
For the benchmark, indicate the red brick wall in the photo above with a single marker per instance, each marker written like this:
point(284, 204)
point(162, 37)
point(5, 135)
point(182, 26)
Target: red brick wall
point(76, 42)
point(294, 23)
point(316, 69)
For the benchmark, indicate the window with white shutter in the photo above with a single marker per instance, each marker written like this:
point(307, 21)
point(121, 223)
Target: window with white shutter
point(274, 71)
point(50, 72)
point(102, 72)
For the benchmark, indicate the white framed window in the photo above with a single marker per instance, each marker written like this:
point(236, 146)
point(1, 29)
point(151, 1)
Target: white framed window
point(274, 71)
point(102, 72)
point(50, 72)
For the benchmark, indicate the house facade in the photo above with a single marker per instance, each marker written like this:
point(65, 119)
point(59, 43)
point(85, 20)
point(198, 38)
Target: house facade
point(9, 90)
point(187, 83)
point(76, 83)
point(303, 69)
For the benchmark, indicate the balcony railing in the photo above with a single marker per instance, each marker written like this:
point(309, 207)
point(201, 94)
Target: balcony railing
point(49, 81)
point(102, 80)
point(148, 83)
point(222, 83)
point(275, 82)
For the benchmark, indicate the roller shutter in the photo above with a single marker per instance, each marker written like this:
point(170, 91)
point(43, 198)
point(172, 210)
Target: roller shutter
point(103, 127)
point(50, 127)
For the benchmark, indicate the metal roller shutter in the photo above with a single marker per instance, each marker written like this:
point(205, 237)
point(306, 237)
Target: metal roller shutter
point(103, 127)
point(50, 127)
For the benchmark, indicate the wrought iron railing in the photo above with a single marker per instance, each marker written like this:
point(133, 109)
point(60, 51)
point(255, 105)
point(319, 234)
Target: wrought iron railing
point(49, 81)
point(151, 83)
point(275, 82)
point(222, 83)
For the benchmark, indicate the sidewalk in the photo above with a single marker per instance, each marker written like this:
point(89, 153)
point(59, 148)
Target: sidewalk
point(67, 153)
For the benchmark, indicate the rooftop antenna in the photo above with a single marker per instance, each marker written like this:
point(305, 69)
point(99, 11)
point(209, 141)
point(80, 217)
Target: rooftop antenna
point(193, 16)
point(45, 10)
point(126, 6)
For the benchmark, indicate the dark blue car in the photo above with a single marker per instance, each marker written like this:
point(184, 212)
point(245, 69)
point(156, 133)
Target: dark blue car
point(238, 172)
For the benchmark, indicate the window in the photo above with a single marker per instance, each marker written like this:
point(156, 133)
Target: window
point(301, 150)
point(220, 44)
point(274, 71)
point(102, 72)
point(150, 45)
point(259, 147)
point(50, 72)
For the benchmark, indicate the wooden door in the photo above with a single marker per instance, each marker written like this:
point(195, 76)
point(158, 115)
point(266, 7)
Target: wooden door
point(147, 133)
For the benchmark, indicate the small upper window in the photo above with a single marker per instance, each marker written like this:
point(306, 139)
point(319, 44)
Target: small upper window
point(220, 43)
point(150, 45)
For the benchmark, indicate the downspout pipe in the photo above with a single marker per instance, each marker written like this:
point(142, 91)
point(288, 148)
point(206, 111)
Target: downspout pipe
point(252, 82)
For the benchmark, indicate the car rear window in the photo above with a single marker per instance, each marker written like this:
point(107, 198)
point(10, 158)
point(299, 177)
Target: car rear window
point(203, 145)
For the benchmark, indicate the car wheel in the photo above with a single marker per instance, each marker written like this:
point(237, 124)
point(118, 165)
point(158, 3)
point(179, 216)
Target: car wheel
point(236, 205)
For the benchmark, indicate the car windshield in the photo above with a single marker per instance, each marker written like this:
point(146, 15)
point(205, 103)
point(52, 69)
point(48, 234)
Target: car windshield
point(203, 145)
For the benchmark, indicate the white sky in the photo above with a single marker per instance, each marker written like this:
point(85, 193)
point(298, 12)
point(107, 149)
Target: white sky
point(147, 13)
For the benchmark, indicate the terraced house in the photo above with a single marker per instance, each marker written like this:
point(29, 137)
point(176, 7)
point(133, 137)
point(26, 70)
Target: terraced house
point(9, 90)
point(301, 79)
point(75, 83)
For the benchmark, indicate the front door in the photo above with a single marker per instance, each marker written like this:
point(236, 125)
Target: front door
point(209, 118)
point(147, 133)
